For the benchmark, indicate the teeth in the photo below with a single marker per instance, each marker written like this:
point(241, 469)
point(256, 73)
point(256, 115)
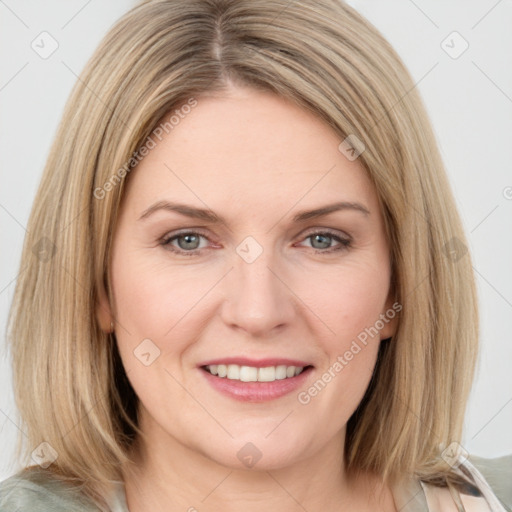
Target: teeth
point(267, 374)
point(233, 372)
point(253, 374)
point(248, 374)
point(281, 372)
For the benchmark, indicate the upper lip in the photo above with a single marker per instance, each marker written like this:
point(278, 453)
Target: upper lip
point(257, 363)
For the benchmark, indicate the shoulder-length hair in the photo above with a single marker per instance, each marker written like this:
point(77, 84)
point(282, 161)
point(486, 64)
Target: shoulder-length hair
point(70, 387)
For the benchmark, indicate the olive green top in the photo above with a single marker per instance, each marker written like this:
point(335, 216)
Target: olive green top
point(490, 490)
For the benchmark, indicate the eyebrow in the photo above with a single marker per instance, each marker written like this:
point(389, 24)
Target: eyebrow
point(210, 216)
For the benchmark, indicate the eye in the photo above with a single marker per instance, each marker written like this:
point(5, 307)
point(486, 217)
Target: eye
point(322, 240)
point(187, 243)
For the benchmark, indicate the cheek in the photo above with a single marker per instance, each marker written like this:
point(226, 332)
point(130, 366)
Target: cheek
point(164, 303)
point(151, 298)
point(347, 299)
point(157, 322)
point(350, 304)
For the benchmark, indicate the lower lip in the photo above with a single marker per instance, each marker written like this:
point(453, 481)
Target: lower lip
point(256, 391)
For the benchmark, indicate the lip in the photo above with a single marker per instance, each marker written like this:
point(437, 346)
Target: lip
point(256, 392)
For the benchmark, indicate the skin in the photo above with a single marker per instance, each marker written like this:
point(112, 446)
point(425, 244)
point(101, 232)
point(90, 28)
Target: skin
point(256, 160)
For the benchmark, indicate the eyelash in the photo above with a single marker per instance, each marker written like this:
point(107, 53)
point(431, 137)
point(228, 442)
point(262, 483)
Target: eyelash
point(344, 243)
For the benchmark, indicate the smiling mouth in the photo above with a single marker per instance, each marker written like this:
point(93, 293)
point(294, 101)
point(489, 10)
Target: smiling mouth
point(254, 374)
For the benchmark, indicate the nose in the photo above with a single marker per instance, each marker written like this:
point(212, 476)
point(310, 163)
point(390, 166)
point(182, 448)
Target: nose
point(257, 299)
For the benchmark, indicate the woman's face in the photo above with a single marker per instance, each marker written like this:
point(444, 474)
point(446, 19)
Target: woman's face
point(273, 288)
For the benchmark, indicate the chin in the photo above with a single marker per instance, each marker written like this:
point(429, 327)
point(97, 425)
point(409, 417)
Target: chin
point(258, 453)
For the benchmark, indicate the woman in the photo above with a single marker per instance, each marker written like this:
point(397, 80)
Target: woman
point(244, 286)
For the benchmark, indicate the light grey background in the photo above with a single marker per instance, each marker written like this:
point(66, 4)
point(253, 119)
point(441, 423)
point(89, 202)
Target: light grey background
point(469, 99)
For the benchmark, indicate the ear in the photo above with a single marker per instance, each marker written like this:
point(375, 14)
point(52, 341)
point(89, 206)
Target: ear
point(389, 316)
point(104, 311)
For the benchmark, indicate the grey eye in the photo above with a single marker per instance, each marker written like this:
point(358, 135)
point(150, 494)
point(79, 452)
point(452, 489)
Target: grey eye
point(190, 241)
point(324, 241)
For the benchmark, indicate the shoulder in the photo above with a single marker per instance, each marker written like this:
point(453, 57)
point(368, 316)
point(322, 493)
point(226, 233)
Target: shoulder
point(36, 490)
point(487, 487)
point(497, 473)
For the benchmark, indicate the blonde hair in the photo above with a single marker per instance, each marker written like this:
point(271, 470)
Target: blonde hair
point(70, 387)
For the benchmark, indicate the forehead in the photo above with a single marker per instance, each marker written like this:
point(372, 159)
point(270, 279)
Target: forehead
point(251, 147)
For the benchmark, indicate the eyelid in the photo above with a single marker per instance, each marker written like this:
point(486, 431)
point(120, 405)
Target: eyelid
point(308, 232)
point(168, 237)
point(334, 232)
point(185, 231)
point(344, 240)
